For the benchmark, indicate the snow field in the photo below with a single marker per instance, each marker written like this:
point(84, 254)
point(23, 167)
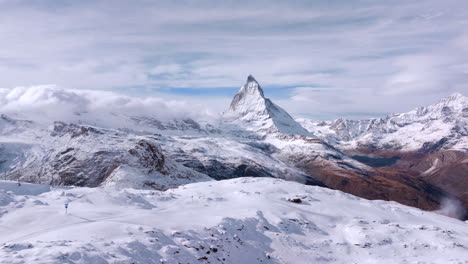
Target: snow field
point(244, 220)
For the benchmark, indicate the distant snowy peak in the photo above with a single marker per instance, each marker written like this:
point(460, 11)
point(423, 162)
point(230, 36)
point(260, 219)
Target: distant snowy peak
point(455, 98)
point(250, 105)
point(453, 105)
point(445, 120)
point(450, 108)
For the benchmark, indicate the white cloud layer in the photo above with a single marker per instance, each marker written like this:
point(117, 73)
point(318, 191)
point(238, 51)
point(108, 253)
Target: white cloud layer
point(50, 103)
point(365, 56)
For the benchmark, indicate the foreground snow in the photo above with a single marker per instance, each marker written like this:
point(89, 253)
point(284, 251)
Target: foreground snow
point(244, 220)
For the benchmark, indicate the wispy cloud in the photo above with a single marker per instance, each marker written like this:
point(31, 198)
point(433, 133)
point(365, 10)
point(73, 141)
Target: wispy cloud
point(367, 56)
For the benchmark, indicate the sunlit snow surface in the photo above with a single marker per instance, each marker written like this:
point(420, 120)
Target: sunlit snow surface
point(244, 220)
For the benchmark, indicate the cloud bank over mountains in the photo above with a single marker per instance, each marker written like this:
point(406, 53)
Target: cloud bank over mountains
point(52, 103)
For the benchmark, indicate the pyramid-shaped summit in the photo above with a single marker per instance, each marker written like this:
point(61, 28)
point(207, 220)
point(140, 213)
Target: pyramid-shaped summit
point(261, 114)
point(249, 99)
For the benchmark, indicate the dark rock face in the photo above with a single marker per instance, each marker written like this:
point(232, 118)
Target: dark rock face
point(149, 156)
point(446, 110)
point(377, 161)
point(60, 129)
point(295, 200)
point(465, 112)
point(76, 166)
point(430, 147)
point(263, 147)
point(221, 170)
point(90, 171)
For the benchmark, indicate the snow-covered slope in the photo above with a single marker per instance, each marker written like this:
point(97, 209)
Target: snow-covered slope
point(251, 110)
point(245, 220)
point(443, 125)
point(84, 155)
point(81, 155)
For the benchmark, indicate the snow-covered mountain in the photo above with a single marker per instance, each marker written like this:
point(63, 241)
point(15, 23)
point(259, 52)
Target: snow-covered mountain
point(85, 155)
point(443, 125)
point(428, 142)
point(245, 220)
point(70, 154)
point(254, 137)
point(251, 110)
point(141, 210)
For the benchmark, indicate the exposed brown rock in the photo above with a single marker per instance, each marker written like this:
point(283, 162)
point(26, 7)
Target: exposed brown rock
point(445, 169)
point(383, 184)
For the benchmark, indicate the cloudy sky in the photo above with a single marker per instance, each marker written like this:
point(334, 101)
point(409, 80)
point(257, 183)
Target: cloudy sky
point(319, 59)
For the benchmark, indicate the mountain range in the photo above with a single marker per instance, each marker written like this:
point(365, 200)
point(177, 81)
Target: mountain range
point(417, 158)
point(430, 142)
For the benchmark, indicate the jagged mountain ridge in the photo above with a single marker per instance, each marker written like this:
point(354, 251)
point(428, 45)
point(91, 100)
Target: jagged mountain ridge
point(420, 128)
point(428, 142)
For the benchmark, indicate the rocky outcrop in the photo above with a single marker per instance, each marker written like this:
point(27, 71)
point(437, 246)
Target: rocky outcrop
point(72, 168)
point(149, 156)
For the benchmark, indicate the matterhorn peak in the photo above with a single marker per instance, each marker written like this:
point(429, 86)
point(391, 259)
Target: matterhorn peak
point(252, 87)
point(250, 105)
point(250, 78)
point(249, 98)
